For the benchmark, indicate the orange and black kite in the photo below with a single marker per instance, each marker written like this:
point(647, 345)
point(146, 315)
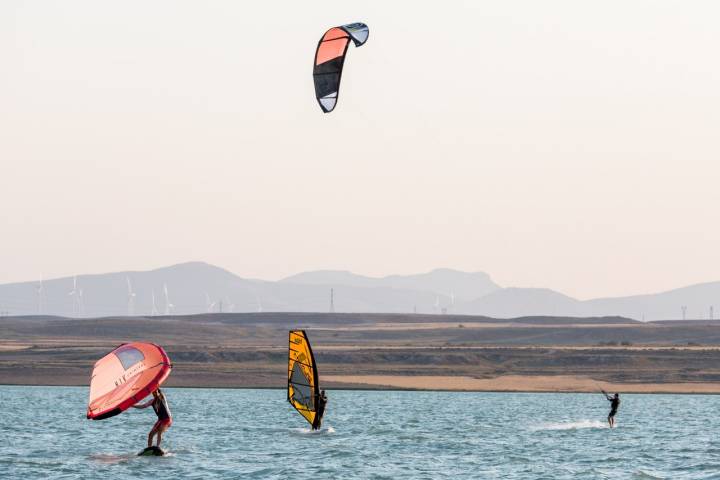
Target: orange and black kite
point(329, 60)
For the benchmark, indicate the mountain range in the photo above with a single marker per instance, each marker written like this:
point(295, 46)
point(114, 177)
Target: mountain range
point(197, 287)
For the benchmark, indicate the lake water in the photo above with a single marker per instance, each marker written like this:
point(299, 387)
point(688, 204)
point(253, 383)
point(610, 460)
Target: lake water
point(367, 434)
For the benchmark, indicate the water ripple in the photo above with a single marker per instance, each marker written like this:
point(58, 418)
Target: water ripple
point(254, 434)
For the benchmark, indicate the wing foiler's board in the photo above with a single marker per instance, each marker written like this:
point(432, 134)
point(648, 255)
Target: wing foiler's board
point(152, 452)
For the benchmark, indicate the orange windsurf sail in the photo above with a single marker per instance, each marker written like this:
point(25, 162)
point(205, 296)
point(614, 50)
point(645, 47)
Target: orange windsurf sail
point(125, 376)
point(303, 385)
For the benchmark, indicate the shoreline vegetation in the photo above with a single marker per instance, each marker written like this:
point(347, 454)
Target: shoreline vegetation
point(381, 352)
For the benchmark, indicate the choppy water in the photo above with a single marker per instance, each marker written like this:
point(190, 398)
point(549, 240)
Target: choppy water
point(368, 434)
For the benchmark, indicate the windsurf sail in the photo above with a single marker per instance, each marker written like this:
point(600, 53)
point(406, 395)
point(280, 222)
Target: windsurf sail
point(303, 388)
point(125, 376)
point(330, 58)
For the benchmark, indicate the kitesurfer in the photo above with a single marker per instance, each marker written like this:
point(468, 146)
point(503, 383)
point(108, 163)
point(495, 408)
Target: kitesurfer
point(159, 404)
point(614, 404)
point(320, 411)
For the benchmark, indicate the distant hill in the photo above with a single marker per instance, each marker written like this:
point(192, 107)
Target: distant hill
point(197, 287)
point(520, 302)
point(442, 281)
point(515, 302)
point(108, 294)
point(698, 299)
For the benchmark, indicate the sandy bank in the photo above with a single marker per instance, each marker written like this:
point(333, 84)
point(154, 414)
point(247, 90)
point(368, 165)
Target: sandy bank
point(517, 383)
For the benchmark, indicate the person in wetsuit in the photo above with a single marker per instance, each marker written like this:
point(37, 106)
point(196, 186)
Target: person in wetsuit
point(321, 402)
point(159, 404)
point(614, 404)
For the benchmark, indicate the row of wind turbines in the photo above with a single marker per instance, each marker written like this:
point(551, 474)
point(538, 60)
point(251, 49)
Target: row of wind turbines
point(78, 300)
point(218, 306)
point(226, 305)
point(131, 294)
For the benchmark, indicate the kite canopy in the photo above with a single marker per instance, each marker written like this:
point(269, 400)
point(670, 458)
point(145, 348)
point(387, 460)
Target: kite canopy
point(302, 376)
point(125, 376)
point(329, 60)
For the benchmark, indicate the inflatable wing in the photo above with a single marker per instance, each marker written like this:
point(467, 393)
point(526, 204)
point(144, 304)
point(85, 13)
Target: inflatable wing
point(303, 386)
point(329, 60)
point(125, 376)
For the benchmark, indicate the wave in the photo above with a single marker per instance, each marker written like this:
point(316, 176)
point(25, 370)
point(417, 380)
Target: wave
point(111, 458)
point(641, 475)
point(572, 425)
point(310, 431)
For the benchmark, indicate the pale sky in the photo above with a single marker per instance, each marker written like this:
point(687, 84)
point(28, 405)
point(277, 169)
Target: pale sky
point(562, 144)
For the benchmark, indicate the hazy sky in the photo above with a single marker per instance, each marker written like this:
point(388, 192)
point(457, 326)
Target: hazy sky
point(565, 144)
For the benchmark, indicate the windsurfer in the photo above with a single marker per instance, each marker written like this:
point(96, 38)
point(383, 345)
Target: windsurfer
point(614, 404)
point(321, 403)
point(159, 404)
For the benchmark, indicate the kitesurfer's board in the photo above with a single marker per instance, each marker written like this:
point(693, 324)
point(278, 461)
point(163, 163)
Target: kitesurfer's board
point(125, 376)
point(152, 452)
point(303, 386)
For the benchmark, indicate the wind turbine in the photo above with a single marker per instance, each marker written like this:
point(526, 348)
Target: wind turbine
point(131, 298)
point(168, 306)
point(209, 306)
point(437, 304)
point(73, 294)
point(81, 305)
point(259, 304)
point(154, 310)
point(39, 291)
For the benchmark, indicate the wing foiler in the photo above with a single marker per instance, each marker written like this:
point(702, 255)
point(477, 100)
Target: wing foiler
point(303, 389)
point(125, 376)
